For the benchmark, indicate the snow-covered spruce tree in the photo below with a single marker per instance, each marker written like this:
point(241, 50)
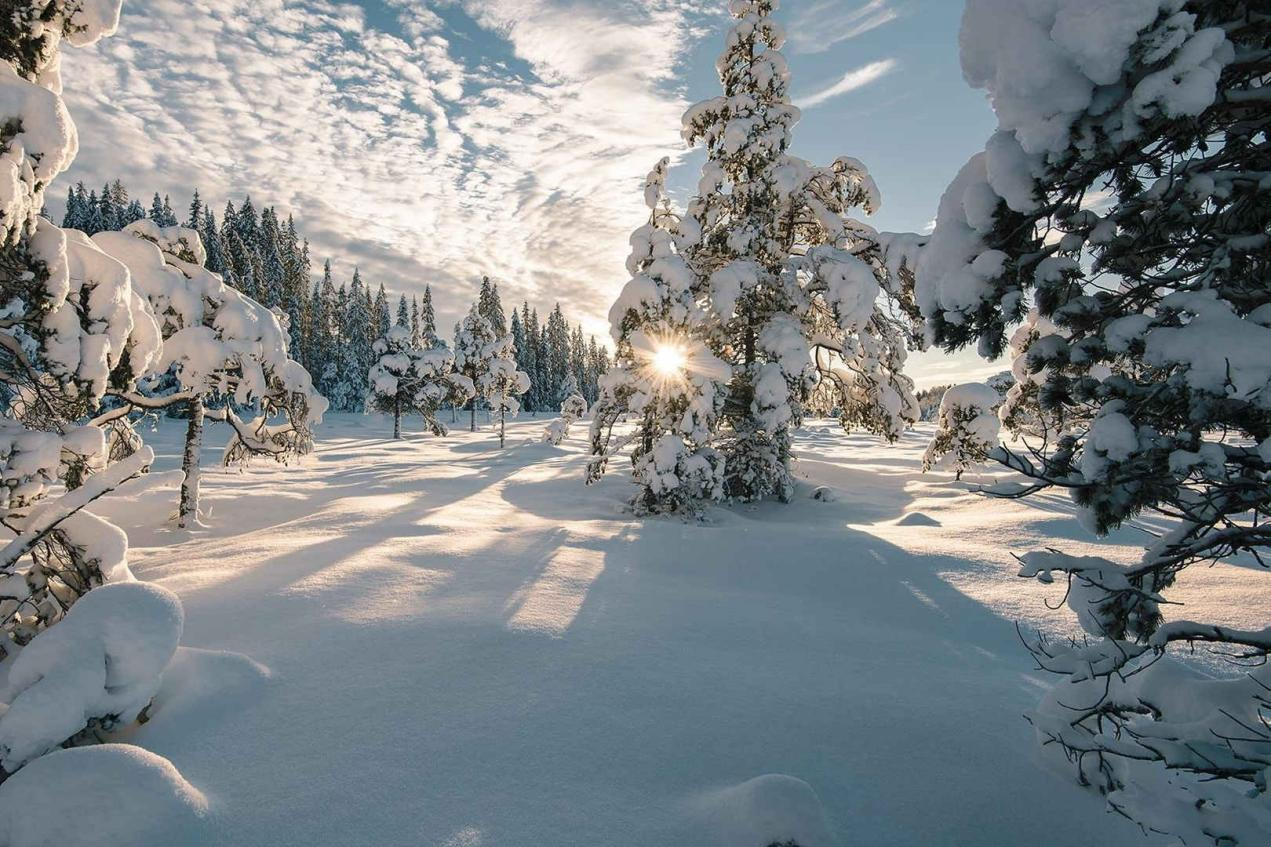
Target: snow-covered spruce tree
point(664, 377)
point(427, 322)
point(475, 342)
point(967, 429)
point(493, 365)
point(392, 376)
point(491, 307)
point(406, 380)
point(502, 386)
point(572, 408)
point(71, 325)
point(488, 360)
point(227, 352)
point(1124, 199)
point(790, 282)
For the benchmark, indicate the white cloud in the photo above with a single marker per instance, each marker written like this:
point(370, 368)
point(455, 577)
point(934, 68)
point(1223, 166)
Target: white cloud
point(936, 367)
point(824, 23)
point(392, 150)
point(852, 80)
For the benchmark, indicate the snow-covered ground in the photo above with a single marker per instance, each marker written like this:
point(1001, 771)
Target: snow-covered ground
point(452, 645)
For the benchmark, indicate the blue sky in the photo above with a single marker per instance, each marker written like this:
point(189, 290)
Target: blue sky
point(432, 142)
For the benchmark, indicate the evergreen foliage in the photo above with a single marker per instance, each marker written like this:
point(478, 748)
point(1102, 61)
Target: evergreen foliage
point(1142, 382)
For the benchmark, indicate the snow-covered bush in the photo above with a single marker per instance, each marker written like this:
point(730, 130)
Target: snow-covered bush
point(406, 379)
point(1121, 212)
point(97, 670)
point(572, 408)
point(770, 274)
point(489, 362)
point(226, 353)
point(966, 429)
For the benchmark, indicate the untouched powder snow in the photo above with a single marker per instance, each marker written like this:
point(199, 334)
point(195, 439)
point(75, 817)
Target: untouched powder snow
point(452, 645)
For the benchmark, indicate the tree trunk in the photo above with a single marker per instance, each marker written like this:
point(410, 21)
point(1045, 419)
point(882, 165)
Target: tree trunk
point(188, 512)
point(397, 417)
point(472, 421)
point(502, 415)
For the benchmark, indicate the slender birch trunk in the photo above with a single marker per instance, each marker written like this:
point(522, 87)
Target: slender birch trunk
point(188, 512)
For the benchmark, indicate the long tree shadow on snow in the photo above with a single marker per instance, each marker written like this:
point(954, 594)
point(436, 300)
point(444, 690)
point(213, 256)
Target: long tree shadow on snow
point(742, 648)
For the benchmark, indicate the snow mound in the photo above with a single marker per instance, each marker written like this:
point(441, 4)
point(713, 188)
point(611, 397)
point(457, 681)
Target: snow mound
point(825, 494)
point(117, 794)
point(773, 808)
point(102, 663)
point(202, 685)
point(917, 519)
point(144, 502)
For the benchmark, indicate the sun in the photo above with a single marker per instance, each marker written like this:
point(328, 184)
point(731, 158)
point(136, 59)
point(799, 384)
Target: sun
point(668, 360)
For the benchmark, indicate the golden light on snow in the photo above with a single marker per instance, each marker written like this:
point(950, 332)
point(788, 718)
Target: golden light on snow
point(668, 360)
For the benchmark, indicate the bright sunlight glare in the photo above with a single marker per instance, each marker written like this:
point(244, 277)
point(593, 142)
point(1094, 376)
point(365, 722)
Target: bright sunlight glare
point(668, 360)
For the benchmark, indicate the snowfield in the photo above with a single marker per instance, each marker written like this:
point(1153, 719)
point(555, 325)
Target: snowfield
point(433, 642)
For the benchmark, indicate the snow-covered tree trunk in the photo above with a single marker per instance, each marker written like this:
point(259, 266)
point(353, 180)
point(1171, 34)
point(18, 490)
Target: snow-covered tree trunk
point(188, 510)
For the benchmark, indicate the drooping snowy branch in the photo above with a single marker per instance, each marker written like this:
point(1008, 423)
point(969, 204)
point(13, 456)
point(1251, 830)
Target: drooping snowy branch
point(226, 353)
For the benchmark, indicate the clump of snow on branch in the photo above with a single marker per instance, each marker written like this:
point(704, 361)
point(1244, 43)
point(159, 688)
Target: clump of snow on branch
point(122, 795)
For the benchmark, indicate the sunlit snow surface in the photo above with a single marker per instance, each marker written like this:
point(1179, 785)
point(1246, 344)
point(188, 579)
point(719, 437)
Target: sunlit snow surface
point(455, 645)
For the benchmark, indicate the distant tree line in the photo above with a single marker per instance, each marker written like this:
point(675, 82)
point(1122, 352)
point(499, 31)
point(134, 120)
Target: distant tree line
point(332, 327)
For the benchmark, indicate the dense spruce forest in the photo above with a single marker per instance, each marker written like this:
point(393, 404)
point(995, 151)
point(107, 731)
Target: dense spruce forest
point(333, 323)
